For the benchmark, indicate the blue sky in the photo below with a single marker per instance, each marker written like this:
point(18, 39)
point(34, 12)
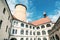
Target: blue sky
point(35, 8)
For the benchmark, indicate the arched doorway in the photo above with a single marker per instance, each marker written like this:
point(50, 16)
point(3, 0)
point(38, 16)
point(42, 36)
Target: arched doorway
point(13, 39)
point(57, 37)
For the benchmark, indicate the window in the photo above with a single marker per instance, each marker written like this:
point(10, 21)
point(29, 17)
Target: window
point(39, 39)
point(30, 32)
point(38, 33)
point(21, 39)
point(22, 24)
point(49, 31)
point(30, 26)
point(26, 38)
point(34, 38)
point(14, 31)
point(33, 33)
point(15, 22)
point(44, 38)
point(22, 31)
point(48, 25)
point(0, 23)
point(4, 10)
point(6, 28)
point(30, 38)
point(33, 27)
point(26, 32)
point(26, 26)
point(42, 26)
point(43, 32)
point(38, 28)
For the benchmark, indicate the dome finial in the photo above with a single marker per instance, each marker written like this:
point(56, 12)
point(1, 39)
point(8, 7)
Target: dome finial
point(44, 13)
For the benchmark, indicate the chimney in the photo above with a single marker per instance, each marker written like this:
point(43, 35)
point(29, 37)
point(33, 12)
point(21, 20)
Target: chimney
point(44, 13)
point(20, 12)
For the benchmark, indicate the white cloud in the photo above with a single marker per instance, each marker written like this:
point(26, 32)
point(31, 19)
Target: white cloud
point(29, 16)
point(55, 17)
point(56, 11)
point(12, 3)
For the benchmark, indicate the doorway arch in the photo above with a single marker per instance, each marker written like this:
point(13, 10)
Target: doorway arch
point(57, 37)
point(13, 39)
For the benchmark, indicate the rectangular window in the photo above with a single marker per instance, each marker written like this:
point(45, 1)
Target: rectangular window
point(30, 32)
point(6, 28)
point(4, 10)
point(0, 23)
point(14, 31)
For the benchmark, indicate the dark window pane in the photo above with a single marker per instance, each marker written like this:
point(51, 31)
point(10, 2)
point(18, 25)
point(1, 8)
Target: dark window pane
point(26, 26)
point(4, 10)
point(0, 23)
point(22, 24)
point(21, 39)
point(38, 33)
point(44, 38)
point(14, 31)
point(48, 25)
point(38, 28)
point(42, 26)
point(26, 38)
point(22, 31)
point(30, 32)
point(33, 27)
point(49, 31)
point(30, 26)
point(33, 33)
point(26, 32)
point(39, 39)
point(43, 32)
point(6, 28)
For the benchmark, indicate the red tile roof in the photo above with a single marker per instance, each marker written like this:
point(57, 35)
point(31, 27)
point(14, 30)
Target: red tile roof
point(41, 21)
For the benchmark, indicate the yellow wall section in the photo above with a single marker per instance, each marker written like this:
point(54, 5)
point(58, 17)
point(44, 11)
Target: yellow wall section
point(20, 12)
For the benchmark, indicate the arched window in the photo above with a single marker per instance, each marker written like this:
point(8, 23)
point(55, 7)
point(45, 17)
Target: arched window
point(26, 38)
point(39, 38)
point(42, 26)
point(33, 27)
point(38, 33)
point(44, 38)
point(13, 39)
point(57, 37)
point(22, 31)
point(26, 26)
point(43, 32)
point(48, 25)
point(30, 26)
point(26, 32)
point(38, 28)
point(22, 24)
point(21, 39)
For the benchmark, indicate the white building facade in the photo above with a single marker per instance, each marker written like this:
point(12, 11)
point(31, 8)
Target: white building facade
point(24, 31)
point(5, 20)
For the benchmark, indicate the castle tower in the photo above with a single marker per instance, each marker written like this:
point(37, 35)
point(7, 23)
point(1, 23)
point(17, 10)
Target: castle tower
point(20, 12)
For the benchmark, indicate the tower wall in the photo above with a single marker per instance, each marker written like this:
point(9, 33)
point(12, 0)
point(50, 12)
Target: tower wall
point(20, 12)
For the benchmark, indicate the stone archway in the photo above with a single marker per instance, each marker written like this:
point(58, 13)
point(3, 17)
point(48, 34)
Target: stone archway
point(57, 37)
point(13, 39)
